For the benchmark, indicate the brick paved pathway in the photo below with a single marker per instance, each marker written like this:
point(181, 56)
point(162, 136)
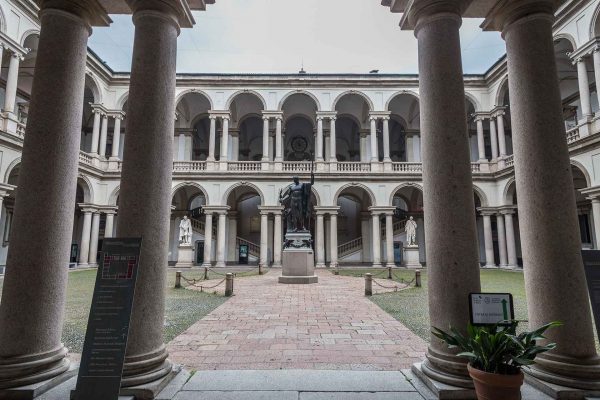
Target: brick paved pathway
point(267, 325)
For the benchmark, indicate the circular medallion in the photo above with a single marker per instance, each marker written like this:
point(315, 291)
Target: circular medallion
point(299, 144)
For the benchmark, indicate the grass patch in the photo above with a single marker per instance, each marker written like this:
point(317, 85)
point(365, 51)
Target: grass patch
point(410, 306)
point(183, 307)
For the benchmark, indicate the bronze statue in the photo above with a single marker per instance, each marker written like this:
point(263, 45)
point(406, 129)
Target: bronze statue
point(296, 200)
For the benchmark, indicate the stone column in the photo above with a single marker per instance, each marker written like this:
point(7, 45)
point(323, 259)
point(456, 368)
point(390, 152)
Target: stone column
point(319, 140)
point(221, 239)
point(277, 239)
point(452, 262)
point(224, 139)
point(278, 140)
point(265, 139)
point(376, 240)
point(95, 232)
point(333, 242)
point(211, 138)
point(480, 139)
point(488, 241)
point(84, 244)
point(232, 237)
point(207, 239)
point(235, 146)
point(374, 148)
point(103, 135)
point(34, 291)
point(511, 244)
point(264, 237)
point(596, 55)
point(320, 239)
point(501, 241)
point(596, 220)
point(389, 240)
point(145, 195)
point(549, 228)
point(584, 88)
point(96, 131)
point(10, 98)
point(501, 134)
point(494, 139)
point(332, 143)
point(386, 139)
point(110, 221)
point(116, 138)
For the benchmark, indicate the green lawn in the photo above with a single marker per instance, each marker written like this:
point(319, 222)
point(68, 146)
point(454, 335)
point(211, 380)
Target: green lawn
point(410, 306)
point(182, 307)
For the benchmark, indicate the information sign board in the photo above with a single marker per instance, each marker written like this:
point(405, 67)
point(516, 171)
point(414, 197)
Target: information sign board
point(591, 262)
point(491, 308)
point(108, 324)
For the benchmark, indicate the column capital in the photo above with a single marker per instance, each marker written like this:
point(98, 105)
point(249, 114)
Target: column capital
point(504, 16)
point(487, 211)
point(109, 210)
point(179, 12)
point(326, 114)
point(507, 210)
point(498, 111)
point(90, 11)
point(326, 209)
point(270, 209)
point(592, 193)
point(374, 115)
point(224, 114)
point(116, 114)
point(88, 208)
point(215, 209)
point(376, 210)
point(272, 114)
point(98, 108)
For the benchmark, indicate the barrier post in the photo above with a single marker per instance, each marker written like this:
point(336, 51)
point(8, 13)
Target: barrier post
point(229, 284)
point(368, 284)
point(177, 279)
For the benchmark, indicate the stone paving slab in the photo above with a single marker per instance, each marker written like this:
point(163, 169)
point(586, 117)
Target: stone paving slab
point(300, 381)
point(328, 325)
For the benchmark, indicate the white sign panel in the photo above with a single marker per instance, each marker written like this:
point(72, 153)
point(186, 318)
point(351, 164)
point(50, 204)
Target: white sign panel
point(490, 308)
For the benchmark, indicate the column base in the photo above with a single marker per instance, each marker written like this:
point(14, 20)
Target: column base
point(489, 266)
point(26, 372)
point(276, 265)
point(567, 374)
point(278, 165)
point(377, 265)
point(264, 165)
point(34, 390)
point(440, 389)
point(83, 265)
point(151, 389)
point(387, 165)
point(223, 165)
point(220, 264)
point(392, 265)
point(320, 265)
point(206, 265)
point(509, 267)
point(558, 391)
point(10, 122)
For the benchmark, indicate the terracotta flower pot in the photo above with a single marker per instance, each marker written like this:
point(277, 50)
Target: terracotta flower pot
point(496, 386)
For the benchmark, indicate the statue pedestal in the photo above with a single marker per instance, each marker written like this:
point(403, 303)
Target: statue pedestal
point(298, 259)
point(410, 257)
point(185, 259)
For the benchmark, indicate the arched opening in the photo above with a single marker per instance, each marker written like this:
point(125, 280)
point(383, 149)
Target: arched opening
point(188, 201)
point(299, 115)
point(569, 82)
point(347, 138)
point(584, 208)
point(408, 202)
point(87, 123)
point(356, 106)
point(243, 225)
point(404, 126)
point(246, 130)
point(192, 129)
point(354, 226)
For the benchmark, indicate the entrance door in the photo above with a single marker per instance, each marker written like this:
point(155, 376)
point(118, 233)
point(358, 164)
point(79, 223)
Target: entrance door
point(199, 252)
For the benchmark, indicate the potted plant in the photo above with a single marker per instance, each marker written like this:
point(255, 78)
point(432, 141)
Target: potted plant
point(496, 355)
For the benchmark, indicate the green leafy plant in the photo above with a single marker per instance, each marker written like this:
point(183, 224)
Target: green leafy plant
point(497, 348)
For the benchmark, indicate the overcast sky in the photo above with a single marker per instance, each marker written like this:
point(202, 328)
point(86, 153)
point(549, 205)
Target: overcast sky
point(329, 36)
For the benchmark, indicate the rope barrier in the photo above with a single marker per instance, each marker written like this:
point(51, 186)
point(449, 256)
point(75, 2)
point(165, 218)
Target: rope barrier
point(202, 287)
point(395, 287)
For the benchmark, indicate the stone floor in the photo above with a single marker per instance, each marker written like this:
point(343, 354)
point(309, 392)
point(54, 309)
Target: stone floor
point(267, 325)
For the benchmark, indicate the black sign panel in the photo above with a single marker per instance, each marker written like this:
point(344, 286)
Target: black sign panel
point(108, 325)
point(591, 262)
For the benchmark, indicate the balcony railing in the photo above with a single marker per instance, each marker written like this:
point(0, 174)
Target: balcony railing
point(510, 161)
point(296, 166)
point(573, 135)
point(407, 167)
point(353, 167)
point(189, 166)
point(244, 166)
point(85, 158)
point(350, 247)
point(475, 167)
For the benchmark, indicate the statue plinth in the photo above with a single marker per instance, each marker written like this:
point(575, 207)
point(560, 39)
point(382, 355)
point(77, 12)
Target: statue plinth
point(298, 259)
point(410, 257)
point(185, 257)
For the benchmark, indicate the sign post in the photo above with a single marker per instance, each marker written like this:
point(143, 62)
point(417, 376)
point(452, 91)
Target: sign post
point(108, 324)
point(491, 308)
point(591, 263)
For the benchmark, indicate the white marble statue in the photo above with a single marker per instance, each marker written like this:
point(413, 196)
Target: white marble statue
point(411, 232)
point(185, 231)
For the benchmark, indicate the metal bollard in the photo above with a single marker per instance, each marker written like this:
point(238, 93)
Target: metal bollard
point(389, 272)
point(205, 273)
point(177, 279)
point(229, 284)
point(260, 269)
point(417, 278)
point(368, 284)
